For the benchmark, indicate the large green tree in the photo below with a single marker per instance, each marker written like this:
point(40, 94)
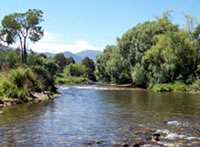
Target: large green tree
point(172, 58)
point(89, 63)
point(22, 27)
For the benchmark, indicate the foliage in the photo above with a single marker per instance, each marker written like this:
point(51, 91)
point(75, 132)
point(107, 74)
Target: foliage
point(101, 64)
point(40, 59)
point(61, 61)
point(90, 65)
point(22, 26)
point(196, 85)
point(70, 80)
point(167, 87)
point(76, 70)
point(70, 60)
point(45, 81)
point(138, 76)
point(18, 84)
point(9, 59)
point(140, 38)
point(172, 58)
point(153, 53)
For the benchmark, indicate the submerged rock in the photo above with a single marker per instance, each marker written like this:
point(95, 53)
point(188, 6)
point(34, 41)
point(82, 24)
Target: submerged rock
point(156, 137)
point(93, 142)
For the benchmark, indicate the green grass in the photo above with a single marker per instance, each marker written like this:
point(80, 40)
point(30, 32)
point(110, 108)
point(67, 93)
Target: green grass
point(168, 87)
point(70, 80)
point(195, 86)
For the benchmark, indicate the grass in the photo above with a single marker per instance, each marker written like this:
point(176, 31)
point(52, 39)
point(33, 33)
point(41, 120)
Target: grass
point(70, 80)
point(168, 87)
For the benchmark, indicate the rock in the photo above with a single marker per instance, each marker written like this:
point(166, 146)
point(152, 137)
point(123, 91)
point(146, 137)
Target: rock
point(125, 144)
point(156, 137)
point(138, 143)
point(90, 143)
point(99, 142)
point(7, 104)
point(196, 142)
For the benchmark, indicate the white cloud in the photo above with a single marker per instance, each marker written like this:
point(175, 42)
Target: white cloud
point(49, 43)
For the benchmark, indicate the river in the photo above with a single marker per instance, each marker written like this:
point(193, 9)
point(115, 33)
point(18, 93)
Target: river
point(103, 116)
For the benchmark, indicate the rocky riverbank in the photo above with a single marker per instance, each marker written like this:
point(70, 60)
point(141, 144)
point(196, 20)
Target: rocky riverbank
point(35, 97)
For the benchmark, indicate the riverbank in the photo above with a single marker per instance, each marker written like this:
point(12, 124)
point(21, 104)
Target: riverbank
point(166, 87)
point(36, 97)
point(60, 80)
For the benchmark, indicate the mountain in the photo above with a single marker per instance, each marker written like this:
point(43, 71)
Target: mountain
point(78, 56)
point(69, 54)
point(92, 54)
point(49, 54)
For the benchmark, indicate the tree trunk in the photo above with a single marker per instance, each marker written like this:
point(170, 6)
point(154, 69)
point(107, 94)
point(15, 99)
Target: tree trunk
point(24, 52)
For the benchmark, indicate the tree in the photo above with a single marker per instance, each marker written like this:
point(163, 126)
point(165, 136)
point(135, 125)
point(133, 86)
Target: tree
point(111, 66)
point(76, 70)
point(172, 58)
point(89, 63)
point(61, 61)
point(70, 60)
point(191, 23)
point(22, 27)
point(134, 43)
point(101, 64)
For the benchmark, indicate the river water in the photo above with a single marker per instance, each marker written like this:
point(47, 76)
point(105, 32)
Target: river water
point(103, 116)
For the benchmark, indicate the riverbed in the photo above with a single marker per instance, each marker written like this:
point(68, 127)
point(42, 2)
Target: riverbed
point(91, 115)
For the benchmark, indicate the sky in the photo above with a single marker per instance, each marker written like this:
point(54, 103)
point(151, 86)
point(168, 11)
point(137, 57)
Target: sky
point(76, 25)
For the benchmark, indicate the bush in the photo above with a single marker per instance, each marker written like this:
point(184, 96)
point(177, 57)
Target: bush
point(76, 70)
point(167, 87)
point(138, 76)
point(70, 80)
point(12, 91)
point(161, 88)
point(9, 59)
point(19, 83)
point(196, 85)
point(45, 81)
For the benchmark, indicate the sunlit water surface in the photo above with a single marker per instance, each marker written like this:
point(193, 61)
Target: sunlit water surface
point(93, 113)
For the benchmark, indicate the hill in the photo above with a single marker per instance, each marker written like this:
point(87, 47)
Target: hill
point(92, 54)
point(78, 56)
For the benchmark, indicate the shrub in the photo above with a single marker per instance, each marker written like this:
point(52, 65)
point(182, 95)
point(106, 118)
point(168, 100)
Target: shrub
point(167, 87)
point(45, 81)
point(138, 76)
point(76, 70)
point(196, 85)
point(9, 59)
point(19, 83)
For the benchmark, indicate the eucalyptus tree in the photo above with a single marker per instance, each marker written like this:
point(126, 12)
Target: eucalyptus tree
point(22, 27)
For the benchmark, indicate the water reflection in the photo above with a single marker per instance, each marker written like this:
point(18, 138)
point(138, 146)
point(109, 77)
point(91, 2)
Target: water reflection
point(83, 114)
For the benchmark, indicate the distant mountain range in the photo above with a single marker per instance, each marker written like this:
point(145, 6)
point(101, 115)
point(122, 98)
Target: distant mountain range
point(92, 54)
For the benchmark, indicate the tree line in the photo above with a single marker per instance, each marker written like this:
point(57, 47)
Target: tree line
point(24, 72)
point(153, 52)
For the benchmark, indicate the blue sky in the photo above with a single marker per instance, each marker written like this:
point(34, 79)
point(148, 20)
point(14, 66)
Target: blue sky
point(75, 25)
